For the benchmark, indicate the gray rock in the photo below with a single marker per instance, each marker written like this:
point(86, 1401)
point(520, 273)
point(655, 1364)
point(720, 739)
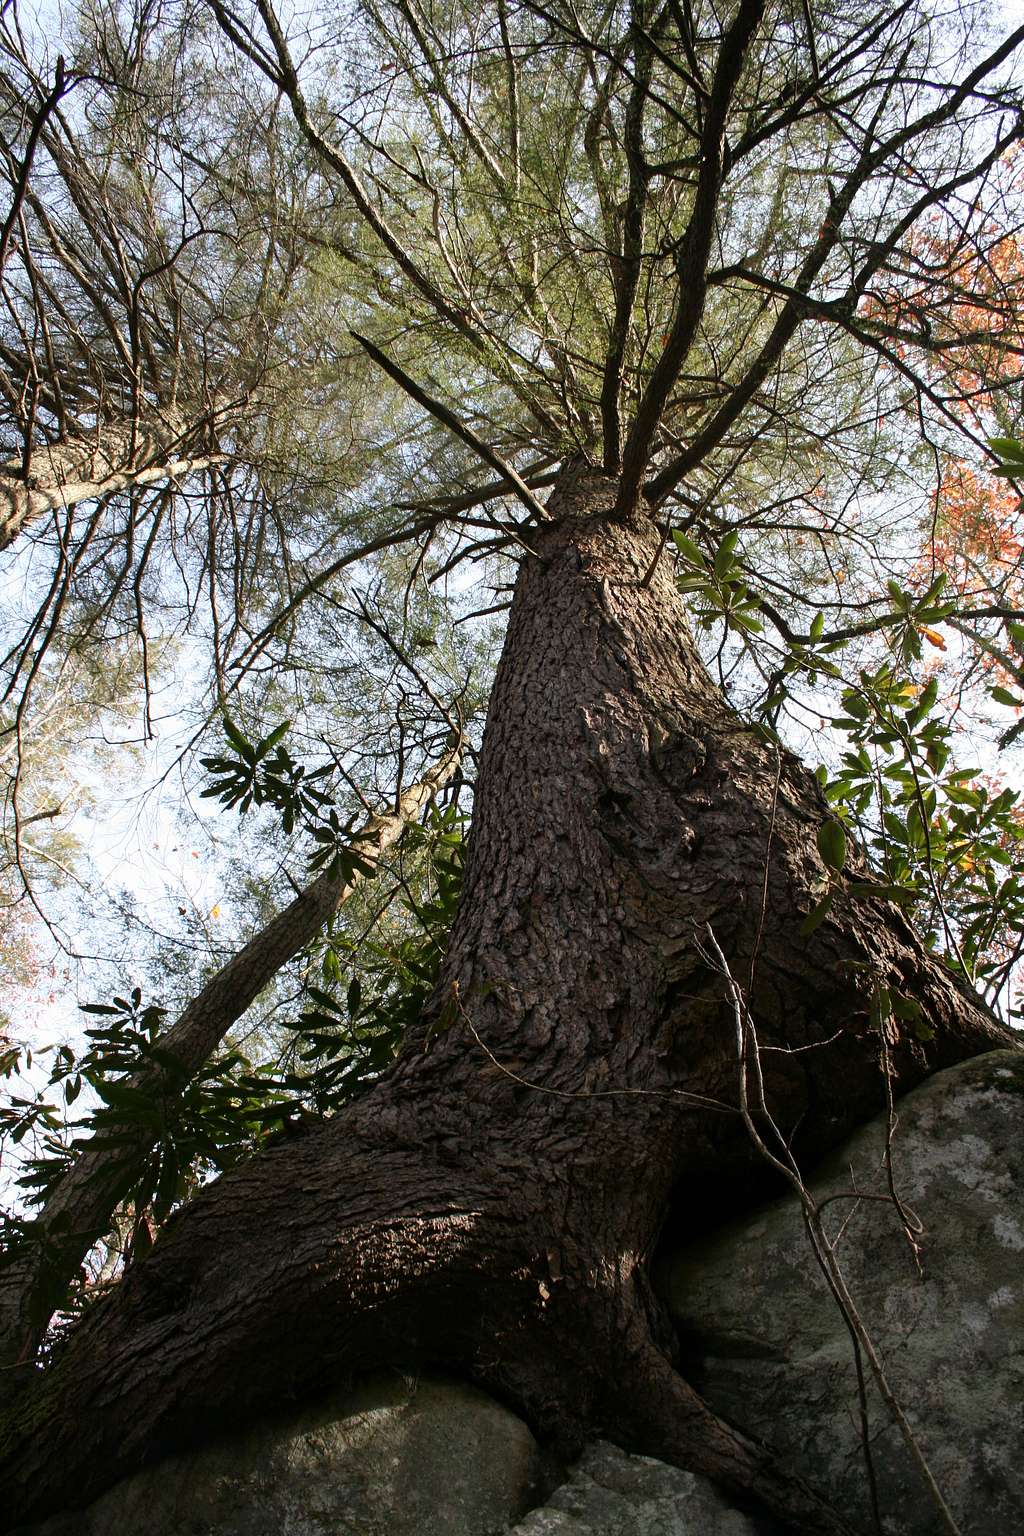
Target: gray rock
point(771, 1352)
point(410, 1458)
point(400, 1456)
point(610, 1493)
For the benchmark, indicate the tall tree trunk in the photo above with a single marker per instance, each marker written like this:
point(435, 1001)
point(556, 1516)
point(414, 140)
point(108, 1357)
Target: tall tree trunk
point(494, 1202)
point(78, 1212)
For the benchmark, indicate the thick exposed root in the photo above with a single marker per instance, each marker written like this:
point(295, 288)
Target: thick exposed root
point(658, 1413)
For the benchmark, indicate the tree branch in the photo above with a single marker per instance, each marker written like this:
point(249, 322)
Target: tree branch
point(692, 258)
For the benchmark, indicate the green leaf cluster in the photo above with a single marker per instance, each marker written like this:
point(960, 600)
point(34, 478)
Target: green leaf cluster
point(948, 846)
point(265, 773)
point(721, 586)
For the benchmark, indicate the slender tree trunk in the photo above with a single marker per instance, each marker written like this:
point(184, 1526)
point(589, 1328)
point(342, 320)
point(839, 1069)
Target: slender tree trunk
point(494, 1202)
point(79, 1210)
point(86, 469)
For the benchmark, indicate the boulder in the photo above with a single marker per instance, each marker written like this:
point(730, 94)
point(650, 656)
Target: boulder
point(609, 1493)
point(410, 1457)
point(399, 1457)
point(769, 1349)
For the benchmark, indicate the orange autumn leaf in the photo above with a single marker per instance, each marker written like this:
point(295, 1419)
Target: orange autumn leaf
point(934, 638)
point(977, 536)
point(972, 340)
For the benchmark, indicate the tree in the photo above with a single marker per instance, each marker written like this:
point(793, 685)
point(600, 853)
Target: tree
point(151, 332)
point(645, 257)
point(112, 380)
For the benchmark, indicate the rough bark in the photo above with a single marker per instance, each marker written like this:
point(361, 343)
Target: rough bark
point(79, 1211)
point(494, 1202)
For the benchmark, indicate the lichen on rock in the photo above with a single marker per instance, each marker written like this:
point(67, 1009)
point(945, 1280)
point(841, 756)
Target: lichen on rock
point(768, 1347)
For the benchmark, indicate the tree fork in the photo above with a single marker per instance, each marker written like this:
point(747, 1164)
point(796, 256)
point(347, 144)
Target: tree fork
point(493, 1202)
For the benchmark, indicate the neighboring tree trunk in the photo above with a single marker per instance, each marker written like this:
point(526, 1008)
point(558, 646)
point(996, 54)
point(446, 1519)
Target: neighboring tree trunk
point(79, 1211)
point(84, 469)
point(494, 1202)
